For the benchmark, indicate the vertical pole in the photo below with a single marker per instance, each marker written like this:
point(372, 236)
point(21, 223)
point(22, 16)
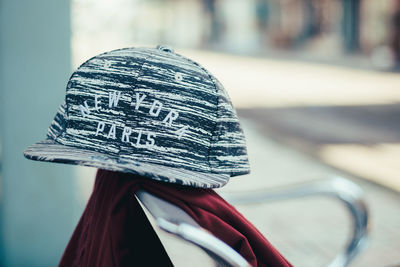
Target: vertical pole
point(37, 199)
point(351, 27)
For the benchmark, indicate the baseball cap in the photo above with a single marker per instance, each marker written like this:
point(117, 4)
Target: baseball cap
point(151, 112)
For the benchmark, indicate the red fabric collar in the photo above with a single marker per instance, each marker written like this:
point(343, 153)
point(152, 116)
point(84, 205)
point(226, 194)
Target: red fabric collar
point(114, 231)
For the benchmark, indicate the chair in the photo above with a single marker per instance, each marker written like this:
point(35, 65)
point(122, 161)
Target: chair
point(175, 221)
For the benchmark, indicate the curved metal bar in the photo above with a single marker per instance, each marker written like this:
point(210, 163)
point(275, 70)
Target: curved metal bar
point(174, 220)
point(220, 251)
point(337, 187)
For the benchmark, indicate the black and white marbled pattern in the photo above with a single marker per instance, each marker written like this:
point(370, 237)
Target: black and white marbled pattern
point(173, 122)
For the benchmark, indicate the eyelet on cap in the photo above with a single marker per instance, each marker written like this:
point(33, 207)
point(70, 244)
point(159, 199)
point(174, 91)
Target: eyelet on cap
point(165, 48)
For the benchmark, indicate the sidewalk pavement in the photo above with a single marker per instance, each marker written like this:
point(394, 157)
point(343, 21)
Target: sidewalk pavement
point(264, 82)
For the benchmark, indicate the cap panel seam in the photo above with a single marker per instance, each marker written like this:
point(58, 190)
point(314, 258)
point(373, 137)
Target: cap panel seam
point(211, 139)
point(64, 129)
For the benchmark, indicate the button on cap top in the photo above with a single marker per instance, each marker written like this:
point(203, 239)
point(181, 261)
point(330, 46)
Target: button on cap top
point(165, 48)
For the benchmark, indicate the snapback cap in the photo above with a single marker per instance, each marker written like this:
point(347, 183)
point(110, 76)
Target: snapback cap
point(150, 112)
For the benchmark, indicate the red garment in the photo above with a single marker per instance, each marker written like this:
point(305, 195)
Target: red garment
point(113, 230)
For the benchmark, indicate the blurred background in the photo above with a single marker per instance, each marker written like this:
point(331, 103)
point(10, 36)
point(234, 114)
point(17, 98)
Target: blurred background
point(315, 82)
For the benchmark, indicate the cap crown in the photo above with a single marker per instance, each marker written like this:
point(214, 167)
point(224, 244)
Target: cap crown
point(152, 106)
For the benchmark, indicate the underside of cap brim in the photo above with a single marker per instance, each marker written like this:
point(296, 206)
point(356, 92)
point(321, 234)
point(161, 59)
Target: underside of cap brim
point(51, 151)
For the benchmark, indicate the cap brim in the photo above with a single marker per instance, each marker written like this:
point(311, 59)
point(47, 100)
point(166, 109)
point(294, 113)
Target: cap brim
point(51, 151)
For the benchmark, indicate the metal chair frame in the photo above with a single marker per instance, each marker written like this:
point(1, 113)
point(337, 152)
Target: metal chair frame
point(175, 221)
